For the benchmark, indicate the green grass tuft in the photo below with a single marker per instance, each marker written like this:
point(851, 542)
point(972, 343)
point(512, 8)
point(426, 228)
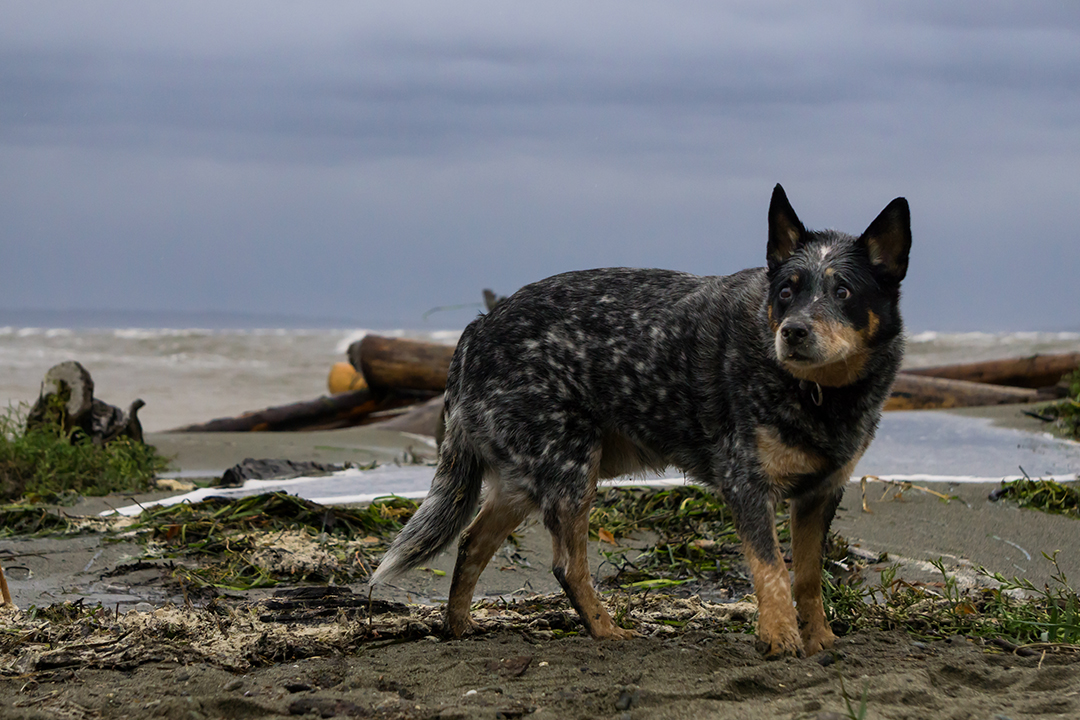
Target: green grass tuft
point(45, 464)
point(1011, 615)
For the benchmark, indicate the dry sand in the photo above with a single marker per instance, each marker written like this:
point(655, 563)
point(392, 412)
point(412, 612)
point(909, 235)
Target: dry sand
point(241, 660)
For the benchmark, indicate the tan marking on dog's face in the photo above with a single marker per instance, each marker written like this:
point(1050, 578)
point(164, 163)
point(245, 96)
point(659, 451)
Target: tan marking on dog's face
point(841, 355)
point(773, 325)
point(783, 463)
point(872, 325)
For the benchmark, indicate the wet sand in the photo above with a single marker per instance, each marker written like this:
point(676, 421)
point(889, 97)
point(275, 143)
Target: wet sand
point(697, 670)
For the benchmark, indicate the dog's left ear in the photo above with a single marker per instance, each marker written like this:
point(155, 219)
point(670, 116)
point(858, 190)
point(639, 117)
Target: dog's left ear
point(785, 230)
point(888, 240)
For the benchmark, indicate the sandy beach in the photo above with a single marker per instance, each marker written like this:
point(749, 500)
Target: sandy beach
point(693, 658)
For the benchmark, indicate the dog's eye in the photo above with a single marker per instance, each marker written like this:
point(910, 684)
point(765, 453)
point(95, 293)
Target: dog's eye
point(842, 293)
point(786, 294)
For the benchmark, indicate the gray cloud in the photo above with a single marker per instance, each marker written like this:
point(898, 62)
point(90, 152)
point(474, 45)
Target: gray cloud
point(379, 161)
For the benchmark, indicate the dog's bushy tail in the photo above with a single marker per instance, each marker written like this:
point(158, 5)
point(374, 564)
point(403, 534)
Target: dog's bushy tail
point(454, 495)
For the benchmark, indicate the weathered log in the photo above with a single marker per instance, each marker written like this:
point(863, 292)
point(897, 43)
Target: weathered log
point(324, 413)
point(421, 419)
point(913, 392)
point(1035, 371)
point(398, 363)
point(81, 414)
point(71, 382)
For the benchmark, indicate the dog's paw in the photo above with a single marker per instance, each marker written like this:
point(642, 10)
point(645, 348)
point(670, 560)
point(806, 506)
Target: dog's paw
point(460, 626)
point(775, 648)
point(817, 639)
point(616, 633)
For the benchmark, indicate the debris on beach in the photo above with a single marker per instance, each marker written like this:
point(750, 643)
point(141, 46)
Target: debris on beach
point(308, 622)
point(237, 544)
point(67, 401)
point(293, 625)
point(1044, 495)
point(70, 443)
point(1064, 414)
point(1035, 372)
point(220, 548)
point(275, 469)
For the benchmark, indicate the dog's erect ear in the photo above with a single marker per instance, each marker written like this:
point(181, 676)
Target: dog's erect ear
point(785, 230)
point(888, 240)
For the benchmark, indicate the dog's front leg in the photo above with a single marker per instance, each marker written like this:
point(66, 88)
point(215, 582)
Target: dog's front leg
point(778, 627)
point(810, 520)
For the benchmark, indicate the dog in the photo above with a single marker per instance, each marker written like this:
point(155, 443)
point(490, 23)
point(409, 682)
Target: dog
point(763, 385)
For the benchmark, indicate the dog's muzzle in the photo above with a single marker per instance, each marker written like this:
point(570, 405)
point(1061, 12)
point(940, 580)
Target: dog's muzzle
point(795, 342)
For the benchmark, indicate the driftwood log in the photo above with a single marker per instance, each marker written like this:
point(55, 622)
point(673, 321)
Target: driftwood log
point(398, 363)
point(400, 373)
point(914, 392)
point(358, 407)
point(79, 413)
point(1036, 371)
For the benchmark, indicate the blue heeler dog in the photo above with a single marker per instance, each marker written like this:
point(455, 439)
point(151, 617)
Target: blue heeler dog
point(763, 385)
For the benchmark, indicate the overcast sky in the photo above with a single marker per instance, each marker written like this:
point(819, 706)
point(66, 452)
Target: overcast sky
point(370, 161)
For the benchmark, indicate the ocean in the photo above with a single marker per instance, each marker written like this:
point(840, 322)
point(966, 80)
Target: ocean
point(192, 369)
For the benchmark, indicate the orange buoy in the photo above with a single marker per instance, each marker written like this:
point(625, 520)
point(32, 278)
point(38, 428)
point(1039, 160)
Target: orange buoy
point(344, 378)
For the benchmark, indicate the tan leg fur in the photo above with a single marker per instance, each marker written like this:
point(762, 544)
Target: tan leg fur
point(778, 627)
point(495, 521)
point(571, 567)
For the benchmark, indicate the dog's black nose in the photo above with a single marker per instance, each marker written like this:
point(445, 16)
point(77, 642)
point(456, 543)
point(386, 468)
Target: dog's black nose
point(794, 333)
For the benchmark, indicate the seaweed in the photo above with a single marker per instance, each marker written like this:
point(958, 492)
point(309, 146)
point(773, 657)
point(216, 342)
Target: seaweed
point(265, 540)
point(1047, 496)
point(1065, 413)
point(694, 535)
point(1014, 615)
point(673, 539)
point(678, 536)
point(33, 520)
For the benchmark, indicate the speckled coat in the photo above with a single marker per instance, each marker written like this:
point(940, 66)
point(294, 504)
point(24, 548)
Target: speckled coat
point(765, 384)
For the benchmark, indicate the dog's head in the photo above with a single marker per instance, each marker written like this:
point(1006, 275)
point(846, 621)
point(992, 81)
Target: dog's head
point(833, 297)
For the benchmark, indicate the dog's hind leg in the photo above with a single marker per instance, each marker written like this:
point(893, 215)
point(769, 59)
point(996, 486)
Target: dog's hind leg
point(567, 519)
point(497, 518)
